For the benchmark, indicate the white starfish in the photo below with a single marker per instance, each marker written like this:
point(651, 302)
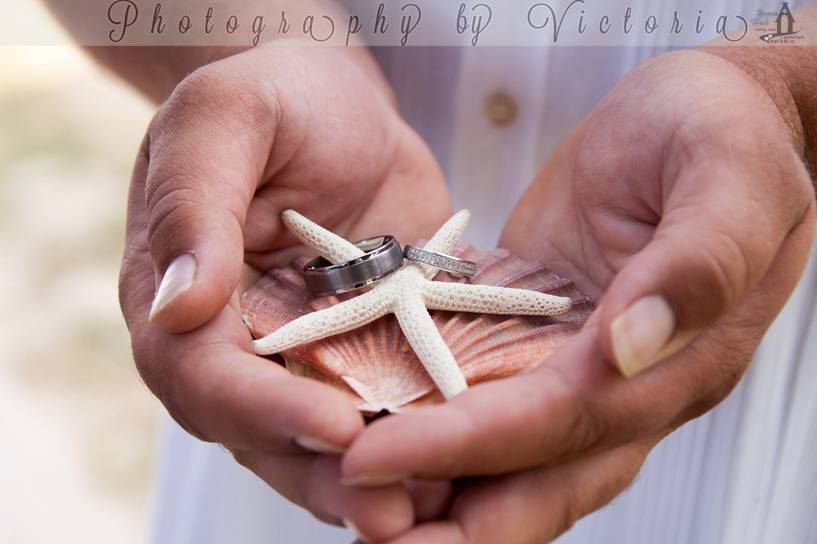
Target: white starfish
point(408, 293)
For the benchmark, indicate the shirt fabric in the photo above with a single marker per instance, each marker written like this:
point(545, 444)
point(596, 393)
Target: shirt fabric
point(745, 473)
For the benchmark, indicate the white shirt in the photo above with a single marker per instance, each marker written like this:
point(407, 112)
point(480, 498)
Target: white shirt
point(745, 473)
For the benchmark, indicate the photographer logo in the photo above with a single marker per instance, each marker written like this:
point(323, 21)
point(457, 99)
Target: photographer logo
point(777, 27)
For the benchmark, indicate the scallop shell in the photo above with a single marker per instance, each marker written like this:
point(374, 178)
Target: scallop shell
point(375, 363)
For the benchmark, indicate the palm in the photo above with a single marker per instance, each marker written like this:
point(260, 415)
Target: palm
point(591, 207)
point(343, 157)
point(654, 143)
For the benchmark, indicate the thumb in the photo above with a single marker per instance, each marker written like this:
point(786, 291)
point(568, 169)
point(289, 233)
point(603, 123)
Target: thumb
point(715, 242)
point(207, 153)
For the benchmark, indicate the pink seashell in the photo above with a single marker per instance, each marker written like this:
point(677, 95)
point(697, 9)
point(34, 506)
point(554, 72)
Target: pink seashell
point(375, 363)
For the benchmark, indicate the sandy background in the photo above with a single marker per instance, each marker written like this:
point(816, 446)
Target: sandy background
point(77, 424)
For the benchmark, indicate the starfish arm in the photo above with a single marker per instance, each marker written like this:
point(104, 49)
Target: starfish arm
point(488, 299)
point(329, 245)
point(425, 340)
point(340, 318)
point(446, 239)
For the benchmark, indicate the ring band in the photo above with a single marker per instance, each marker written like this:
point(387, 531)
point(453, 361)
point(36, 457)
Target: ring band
point(449, 264)
point(383, 257)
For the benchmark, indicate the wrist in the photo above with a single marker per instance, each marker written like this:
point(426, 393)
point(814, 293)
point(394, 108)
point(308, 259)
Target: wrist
point(789, 84)
point(157, 70)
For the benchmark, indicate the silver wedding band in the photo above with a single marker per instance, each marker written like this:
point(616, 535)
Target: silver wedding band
point(383, 257)
point(447, 263)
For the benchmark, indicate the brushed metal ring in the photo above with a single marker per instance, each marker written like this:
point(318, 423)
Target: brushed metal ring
point(383, 257)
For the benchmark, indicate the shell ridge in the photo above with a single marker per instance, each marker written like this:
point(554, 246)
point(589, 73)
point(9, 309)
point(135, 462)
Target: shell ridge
point(464, 330)
point(517, 277)
point(487, 333)
point(521, 339)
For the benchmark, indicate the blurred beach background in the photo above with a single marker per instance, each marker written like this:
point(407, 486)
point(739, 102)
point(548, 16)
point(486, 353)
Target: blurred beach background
point(78, 426)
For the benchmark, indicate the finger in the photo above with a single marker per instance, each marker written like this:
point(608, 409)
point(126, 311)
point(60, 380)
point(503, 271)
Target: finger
point(534, 506)
point(721, 229)
point(208, 150)
point(210, 381)
point(431, 500)
point(313, 482)
point(221, 392)
point(575, 402)
point(500, 426)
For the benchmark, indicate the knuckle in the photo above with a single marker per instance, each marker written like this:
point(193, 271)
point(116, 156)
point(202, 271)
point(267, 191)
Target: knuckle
point(203, 88)
point(803, 195)
point(307, 492)
point(203, 397)
point(163, 380)
point(245, 458)
point(721, 281)
point(145, 364)
point(615, 421)
point(172, 201)
point(794, 182)
point(616, 481)
point(581, 496)
point(728, 268)
point(326, 518)
point(455, 461)
point(173, 395)
point(715, 364)
point(135, 281)
point(235, 100)
point(588, 429)
point(180, 203)
point(584, 426)
point(788, 176)
point(569, 510)
point(466, 529)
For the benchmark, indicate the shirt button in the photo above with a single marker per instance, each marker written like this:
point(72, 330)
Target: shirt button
point(500, 109)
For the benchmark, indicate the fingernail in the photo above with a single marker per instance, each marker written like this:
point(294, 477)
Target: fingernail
point(178, 278)
point(349, 524)
point(318, 445)
point(372, 480)
point(640, 334)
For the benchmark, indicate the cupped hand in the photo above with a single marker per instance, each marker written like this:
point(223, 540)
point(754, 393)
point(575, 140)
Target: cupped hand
point(682, 204)
point(240, 140)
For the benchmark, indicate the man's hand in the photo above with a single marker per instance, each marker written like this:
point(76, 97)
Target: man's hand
point(240, 140)
point(682, 200)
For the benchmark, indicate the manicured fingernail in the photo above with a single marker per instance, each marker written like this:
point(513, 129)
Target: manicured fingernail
point(640, 334)
point(178, 278)
point(318, 445)
point(349, 524)
point(372, 480)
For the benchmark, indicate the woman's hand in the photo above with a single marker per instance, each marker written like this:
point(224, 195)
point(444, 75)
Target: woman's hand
point(683, 201)
point(240, 140)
